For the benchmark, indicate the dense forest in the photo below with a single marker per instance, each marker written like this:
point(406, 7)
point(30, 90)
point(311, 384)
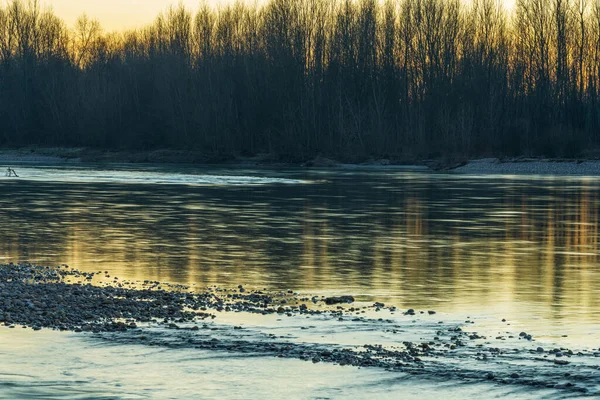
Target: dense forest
point(298, 78)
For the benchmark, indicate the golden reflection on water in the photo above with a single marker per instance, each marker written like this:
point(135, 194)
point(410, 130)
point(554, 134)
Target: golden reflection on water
point(511, 246)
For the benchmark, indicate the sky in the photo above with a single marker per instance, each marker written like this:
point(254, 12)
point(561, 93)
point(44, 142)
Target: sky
point(125, 14)
point(117, 14)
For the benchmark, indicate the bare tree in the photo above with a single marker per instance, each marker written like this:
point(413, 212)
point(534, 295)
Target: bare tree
point(349, 78)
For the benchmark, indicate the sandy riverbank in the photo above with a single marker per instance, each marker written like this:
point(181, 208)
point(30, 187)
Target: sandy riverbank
point(530, 167)
point(35, 155)
point(43, 155)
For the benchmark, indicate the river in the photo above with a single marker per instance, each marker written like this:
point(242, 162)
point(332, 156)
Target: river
point(481, 247)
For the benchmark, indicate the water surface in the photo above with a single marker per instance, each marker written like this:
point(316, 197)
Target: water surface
point(477, 248)
point(70, 366)
point(519, 247)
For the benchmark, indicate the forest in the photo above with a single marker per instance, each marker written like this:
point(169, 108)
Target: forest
point(350, 79)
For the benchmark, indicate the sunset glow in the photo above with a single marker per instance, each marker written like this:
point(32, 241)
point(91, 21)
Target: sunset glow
point(127, 14)
point(118, 14)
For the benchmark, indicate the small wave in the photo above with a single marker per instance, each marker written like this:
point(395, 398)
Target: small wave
point(436, 352)
point(144, 177)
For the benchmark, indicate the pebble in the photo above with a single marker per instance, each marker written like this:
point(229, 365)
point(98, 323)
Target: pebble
point(339, 300)
point(39, 297)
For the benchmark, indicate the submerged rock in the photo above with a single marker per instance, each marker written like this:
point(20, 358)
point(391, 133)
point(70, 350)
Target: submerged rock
point(339, 300)
point(40, 297)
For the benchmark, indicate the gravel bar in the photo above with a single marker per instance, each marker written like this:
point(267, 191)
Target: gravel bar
point(63, 298)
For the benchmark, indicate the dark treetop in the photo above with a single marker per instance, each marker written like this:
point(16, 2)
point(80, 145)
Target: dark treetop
point(297, 78)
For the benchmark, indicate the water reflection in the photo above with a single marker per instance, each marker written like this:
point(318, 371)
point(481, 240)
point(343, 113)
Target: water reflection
point(511, 245)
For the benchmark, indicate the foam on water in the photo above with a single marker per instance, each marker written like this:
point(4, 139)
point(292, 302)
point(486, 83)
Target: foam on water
point(51, 365)
point(141, 176)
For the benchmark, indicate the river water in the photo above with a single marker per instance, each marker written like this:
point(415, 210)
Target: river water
point(485, 247)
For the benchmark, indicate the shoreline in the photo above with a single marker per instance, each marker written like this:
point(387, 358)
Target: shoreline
point(158, 314)
point(549, 167)
point(493, 166)
point(168, 156)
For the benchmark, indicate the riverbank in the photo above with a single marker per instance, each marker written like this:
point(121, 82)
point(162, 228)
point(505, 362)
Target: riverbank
point(244, 321)
point(166, 156)
point(55, 155)
point(530, 167)
point(587, 166)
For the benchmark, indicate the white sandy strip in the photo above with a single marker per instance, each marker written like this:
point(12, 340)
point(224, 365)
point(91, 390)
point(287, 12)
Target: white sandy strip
point(537, 167)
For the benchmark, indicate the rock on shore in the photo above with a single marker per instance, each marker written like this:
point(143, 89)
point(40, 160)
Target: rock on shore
point(40, 297)
point(43, 297)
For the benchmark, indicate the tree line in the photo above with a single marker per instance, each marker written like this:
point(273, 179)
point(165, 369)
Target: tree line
point(297, 78)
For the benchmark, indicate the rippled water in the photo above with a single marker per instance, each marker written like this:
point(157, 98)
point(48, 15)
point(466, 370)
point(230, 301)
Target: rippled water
point(59, 366)
point(524, 248)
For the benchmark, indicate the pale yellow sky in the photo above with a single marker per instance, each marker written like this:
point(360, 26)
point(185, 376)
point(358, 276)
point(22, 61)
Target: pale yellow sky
point(126, 14)
point(117, 14)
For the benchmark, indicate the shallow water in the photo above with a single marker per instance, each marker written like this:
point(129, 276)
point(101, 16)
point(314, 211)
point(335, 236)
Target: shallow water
point(524, 248)
point(53, 365)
